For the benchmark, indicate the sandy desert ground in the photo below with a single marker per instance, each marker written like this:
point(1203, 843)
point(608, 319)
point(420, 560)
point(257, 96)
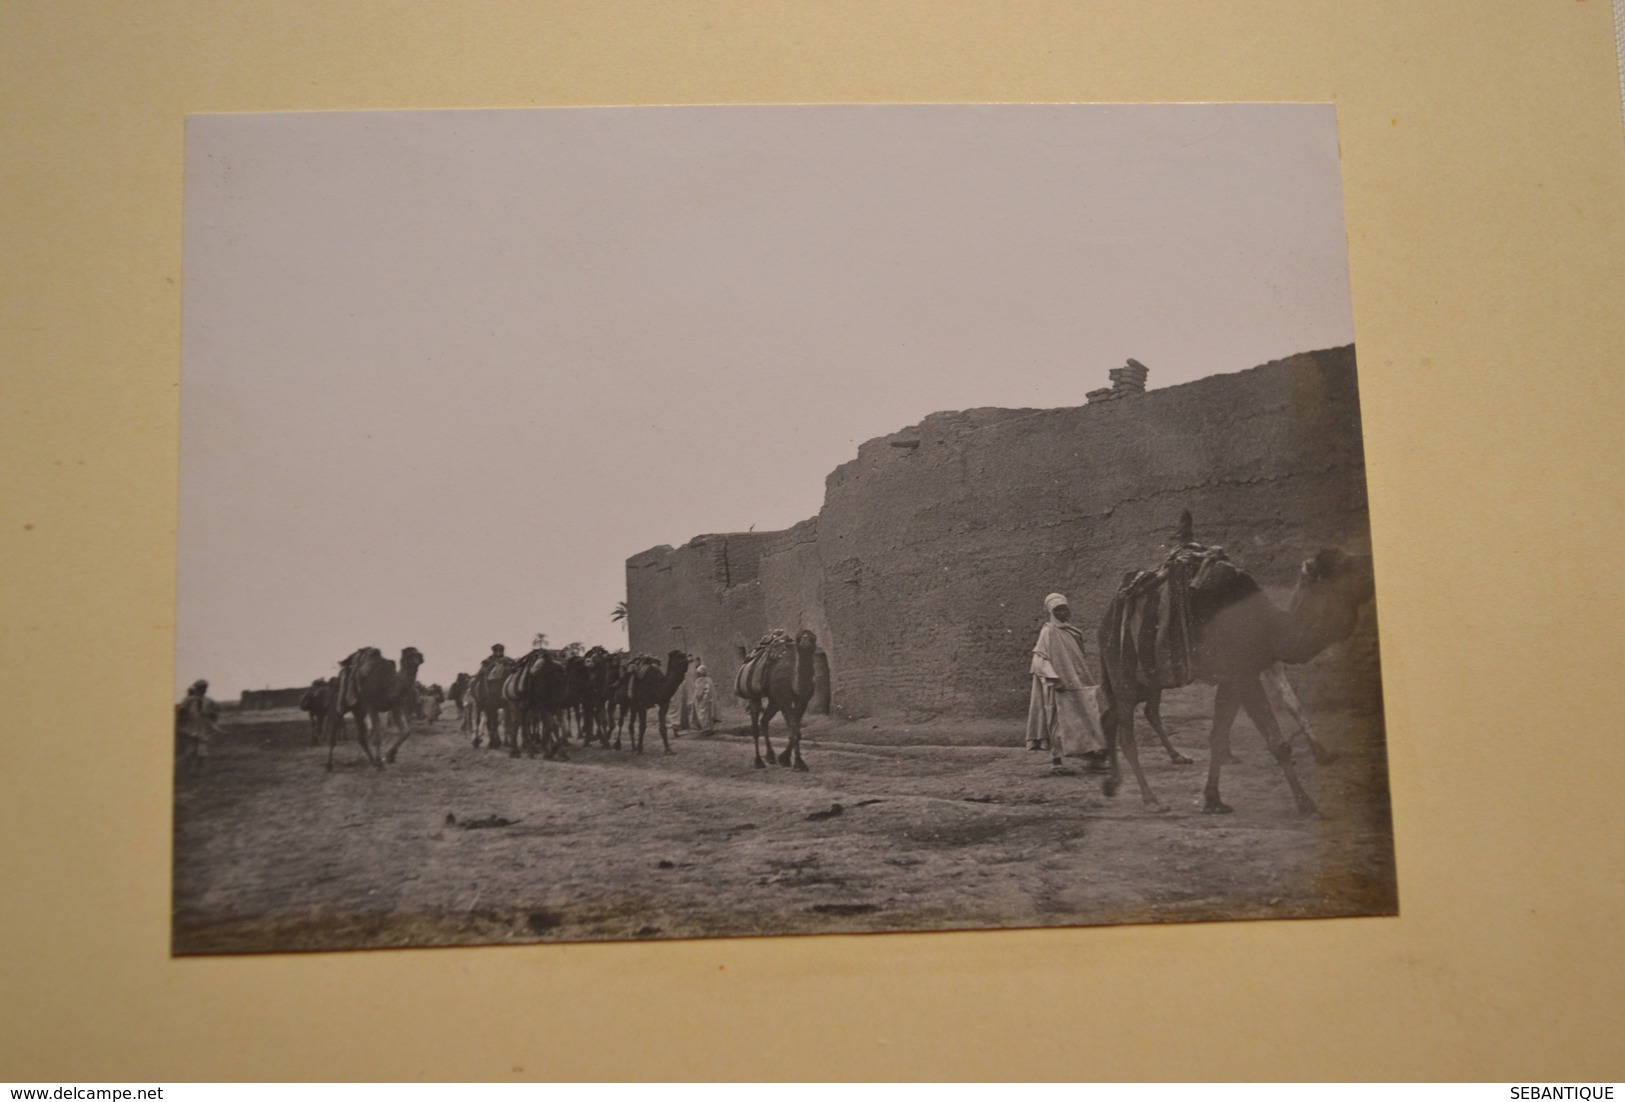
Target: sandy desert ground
point(898, 826)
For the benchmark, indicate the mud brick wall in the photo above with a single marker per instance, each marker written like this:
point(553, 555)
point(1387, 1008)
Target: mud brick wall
point(255, 699)
point(925, 571)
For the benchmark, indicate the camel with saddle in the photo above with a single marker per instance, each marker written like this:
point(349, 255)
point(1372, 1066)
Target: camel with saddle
point(778, 679)
point(368, 688)
point(645, 685)
point(1199, 616)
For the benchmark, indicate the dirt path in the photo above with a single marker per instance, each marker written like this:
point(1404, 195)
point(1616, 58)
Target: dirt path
point(940, 826)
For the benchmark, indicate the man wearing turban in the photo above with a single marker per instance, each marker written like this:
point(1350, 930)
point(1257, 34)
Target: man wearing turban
point(1059, 713)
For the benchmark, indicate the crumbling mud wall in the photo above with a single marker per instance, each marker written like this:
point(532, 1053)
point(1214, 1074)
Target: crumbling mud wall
point(925, 571)
point(259, 699)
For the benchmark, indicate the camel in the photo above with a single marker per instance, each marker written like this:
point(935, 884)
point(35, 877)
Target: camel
point(1236, 635)
point(601, 674)
point(573, 707)
point(648, 687)
point(369, 687)
point(318, 704)
point(615, 700)
point(485, 696)
point(458, 695)
point(534, 692)
point(620, 697)
point(779, 678)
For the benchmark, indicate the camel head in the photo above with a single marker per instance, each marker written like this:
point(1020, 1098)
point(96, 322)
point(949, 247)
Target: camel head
point(676, 664)
point(806, 642)
point(1332, 587)
point(411, 658)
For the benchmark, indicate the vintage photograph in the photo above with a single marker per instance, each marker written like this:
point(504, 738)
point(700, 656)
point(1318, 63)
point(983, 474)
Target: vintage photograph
point(640, 523)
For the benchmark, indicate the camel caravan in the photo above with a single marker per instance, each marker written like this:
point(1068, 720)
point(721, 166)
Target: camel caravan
point(1196, 616)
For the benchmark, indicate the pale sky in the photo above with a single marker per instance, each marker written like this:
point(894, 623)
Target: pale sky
point(444, 372)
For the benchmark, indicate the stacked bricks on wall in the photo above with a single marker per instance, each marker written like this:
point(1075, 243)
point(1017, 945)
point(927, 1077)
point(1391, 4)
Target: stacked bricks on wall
point(1127, 381)
point(924, 572)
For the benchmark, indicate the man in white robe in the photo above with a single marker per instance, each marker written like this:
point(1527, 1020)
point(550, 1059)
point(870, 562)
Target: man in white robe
point(705, 701)
point(1062, 712)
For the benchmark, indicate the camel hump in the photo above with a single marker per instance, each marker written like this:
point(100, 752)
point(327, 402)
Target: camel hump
point(359, 656)
point(753, 675)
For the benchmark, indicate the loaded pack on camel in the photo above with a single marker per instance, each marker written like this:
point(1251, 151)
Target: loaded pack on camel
point(752, 677)
point(1198, 616)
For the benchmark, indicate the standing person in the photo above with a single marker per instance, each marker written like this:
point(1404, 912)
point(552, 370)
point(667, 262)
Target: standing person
point(705, 701)
point(682, 701)
point(1058, 715)
point(195, 723)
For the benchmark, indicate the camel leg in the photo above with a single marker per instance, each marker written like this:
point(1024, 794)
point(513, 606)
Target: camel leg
point(792, 741)
point(1279, 691)
point(335, 728)
point(1110, 724)
point(1125, 742)
point(1153, 716)
point(1258, 710)
point(365, 722)
point(375, 735)
point(1225, 704)
point(361, 734)
point(769, 710)
point(755, 709)
point(660, 714)
point(793, 722)
point(561, 746)
point(406, 733)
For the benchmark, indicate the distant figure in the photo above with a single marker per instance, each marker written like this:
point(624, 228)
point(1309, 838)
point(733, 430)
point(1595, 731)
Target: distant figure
point(705, 701)
point(682, 703)
point(432, 700)
point(196, 726)
point(485, 696)
point(498, 653)
point(1058, 714)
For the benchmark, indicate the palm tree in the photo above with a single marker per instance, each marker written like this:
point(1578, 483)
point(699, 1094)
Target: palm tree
point(619, 615)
